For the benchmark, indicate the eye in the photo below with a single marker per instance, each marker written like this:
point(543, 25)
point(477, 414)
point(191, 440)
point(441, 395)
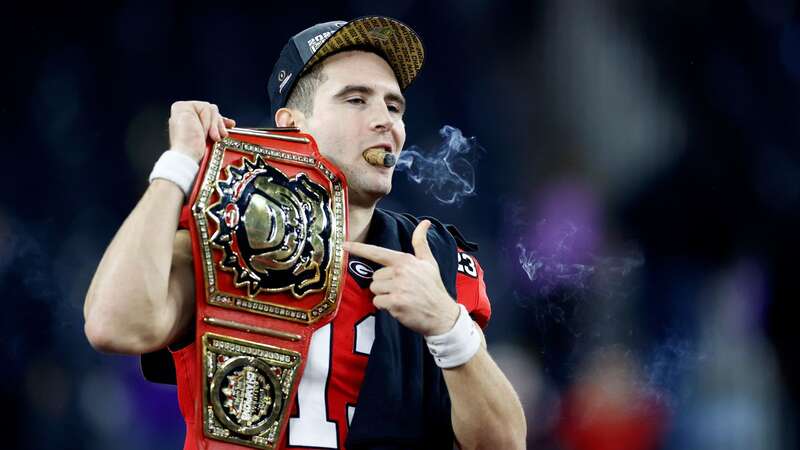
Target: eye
point(356, 101)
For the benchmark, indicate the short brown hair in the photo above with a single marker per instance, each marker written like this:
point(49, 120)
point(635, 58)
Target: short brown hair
point(302, 96)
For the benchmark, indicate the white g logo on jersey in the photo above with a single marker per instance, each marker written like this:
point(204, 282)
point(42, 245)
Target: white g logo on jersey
point(361, 269)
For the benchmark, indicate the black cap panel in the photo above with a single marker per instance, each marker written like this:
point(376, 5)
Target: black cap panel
point(284, 76)
point(310, 40)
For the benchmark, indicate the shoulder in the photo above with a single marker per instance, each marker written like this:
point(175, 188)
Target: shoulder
point(470, 286)
point(445, 230)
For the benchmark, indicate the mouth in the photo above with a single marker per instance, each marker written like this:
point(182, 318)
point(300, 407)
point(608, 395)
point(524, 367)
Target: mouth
point(380, 156)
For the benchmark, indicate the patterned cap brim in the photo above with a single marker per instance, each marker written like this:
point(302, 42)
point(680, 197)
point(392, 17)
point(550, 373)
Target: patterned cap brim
point(399, 44)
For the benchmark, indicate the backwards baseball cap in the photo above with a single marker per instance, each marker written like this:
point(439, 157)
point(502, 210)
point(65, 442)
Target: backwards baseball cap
point(395, 41)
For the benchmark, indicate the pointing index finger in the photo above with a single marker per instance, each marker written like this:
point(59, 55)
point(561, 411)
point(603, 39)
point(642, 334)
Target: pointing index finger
point(374, 253)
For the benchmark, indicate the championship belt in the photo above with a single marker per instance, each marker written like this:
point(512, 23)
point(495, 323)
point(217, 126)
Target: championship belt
point(269, 217)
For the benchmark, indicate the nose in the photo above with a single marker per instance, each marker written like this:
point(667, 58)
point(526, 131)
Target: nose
point(381, 120)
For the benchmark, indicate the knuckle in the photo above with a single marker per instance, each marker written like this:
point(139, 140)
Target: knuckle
point(381, 301)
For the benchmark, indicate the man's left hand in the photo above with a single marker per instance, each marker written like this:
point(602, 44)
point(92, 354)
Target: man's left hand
point(409, 286)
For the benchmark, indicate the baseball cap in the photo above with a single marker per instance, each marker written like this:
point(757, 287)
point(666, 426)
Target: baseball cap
point(395, 41)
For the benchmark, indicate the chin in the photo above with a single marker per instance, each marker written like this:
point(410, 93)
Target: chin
point(379, 193)
point(368, 196)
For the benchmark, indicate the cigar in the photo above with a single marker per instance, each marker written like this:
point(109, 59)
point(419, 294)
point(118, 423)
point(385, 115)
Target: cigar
point(379, 157)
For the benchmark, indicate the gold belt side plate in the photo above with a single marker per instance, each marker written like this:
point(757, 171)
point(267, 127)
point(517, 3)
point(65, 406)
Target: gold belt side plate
point(246, 388)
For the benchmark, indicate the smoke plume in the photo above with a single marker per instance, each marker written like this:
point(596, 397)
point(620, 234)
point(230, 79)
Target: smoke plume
point(448, 173)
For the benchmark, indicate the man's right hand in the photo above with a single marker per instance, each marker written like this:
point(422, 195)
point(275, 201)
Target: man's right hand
point(191, 123)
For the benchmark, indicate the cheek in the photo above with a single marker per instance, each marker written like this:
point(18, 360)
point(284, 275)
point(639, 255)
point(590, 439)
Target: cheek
point(400, 130)
point(324, 135)
point(331, 139)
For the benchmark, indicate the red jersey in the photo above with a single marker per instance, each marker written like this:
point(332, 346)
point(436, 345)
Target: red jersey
point(337, 358)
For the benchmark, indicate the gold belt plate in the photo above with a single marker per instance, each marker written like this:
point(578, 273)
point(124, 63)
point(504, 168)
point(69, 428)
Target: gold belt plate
point(271, 226)
point(246, 388)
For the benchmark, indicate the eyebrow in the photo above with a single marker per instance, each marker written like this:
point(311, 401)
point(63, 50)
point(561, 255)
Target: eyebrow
point(366, 90)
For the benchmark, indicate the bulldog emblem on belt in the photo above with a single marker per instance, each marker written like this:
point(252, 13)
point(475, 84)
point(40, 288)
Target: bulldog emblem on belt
point(274, 231)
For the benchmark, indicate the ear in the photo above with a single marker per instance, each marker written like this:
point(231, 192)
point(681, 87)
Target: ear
point(286, 117)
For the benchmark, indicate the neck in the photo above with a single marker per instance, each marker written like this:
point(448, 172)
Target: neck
point(359, 219)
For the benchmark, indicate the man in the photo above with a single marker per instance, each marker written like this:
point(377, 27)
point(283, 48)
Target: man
point(341, 83)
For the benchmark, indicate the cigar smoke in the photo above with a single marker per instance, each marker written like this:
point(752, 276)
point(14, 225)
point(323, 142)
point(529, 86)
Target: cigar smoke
point(562, 254)
point(448, 172)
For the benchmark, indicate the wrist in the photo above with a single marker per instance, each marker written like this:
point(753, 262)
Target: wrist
point(176, 167)
point(447, 319)
point(456, 346)
point(187, 150)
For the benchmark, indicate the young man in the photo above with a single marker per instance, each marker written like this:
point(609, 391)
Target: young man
point(342, 83)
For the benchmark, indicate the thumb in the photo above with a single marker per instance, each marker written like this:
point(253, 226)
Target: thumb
point(420, 241)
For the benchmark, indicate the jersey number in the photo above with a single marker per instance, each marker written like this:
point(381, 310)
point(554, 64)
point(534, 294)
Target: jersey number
point(311, 427)
point(466, 265)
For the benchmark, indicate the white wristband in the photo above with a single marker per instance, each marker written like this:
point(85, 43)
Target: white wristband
point(178, 168)
point(457, 346)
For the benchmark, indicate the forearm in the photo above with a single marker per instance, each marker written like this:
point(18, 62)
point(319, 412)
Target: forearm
point(486, 412)
point(125, 302)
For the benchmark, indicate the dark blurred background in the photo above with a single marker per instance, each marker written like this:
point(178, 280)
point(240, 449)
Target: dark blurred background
point(636, 202)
